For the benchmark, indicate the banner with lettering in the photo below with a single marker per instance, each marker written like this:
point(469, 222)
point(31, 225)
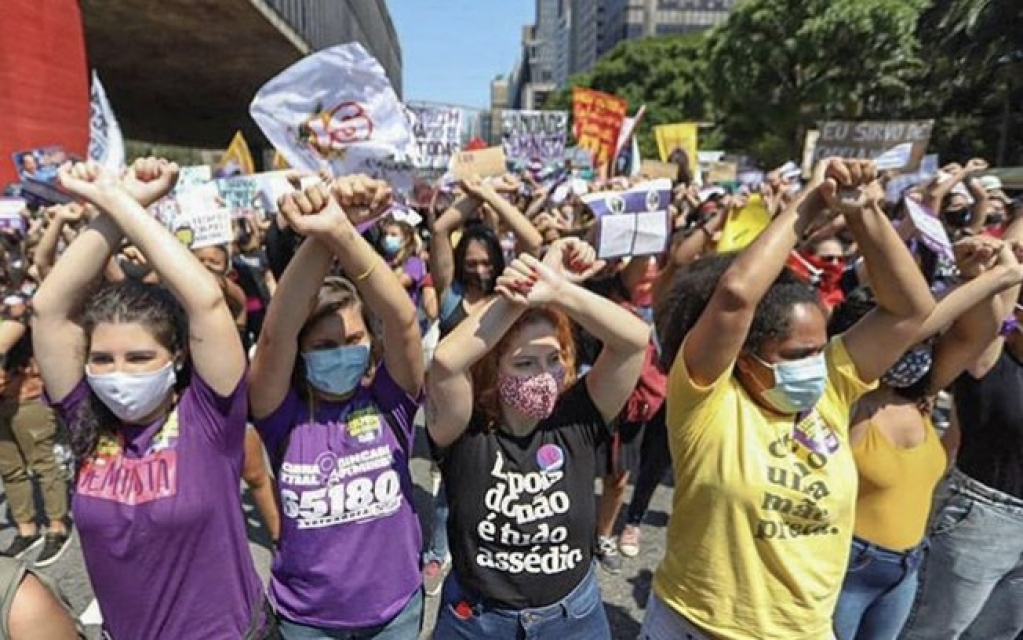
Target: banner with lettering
point(529, 136)
point(895, 145)
point(635, 222)
point(438, 135)
point(106, 143)
point(335, 100)
point(597, 120)
point(679, 136)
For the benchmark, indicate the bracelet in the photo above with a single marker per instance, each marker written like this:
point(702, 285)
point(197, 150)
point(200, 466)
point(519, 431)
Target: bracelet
point(367, 273)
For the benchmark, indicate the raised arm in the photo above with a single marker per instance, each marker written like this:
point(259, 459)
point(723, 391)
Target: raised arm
point(328, 218)
point(442, 253)
point(214, 345)
point(720, 332)
point(46, 253)
point(278, 341)
point(528, 237)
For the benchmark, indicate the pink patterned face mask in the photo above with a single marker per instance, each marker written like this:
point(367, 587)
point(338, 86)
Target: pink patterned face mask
point(532, 396)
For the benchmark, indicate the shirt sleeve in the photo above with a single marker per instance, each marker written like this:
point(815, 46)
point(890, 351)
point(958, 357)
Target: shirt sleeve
point(274, 428)
point(393, 399)
point(683, 392)
point(845, 383)
point(576, 407)
point(71, 404)
point(221, 418)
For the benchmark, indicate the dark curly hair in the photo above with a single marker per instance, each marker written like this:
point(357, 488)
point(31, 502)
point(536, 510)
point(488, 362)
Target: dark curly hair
point(127, 301)
point(686, 300)
point(857, 305)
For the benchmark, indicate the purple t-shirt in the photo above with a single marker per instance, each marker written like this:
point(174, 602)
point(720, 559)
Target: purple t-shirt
point(162, 527)
point(350, 540)
point(415, 268)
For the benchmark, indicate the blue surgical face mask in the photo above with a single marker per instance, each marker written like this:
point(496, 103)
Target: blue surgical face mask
point(336, 371)
point(798, 384)
point(392, 245)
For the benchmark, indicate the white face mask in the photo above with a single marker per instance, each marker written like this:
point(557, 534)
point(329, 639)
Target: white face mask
point(133, 396)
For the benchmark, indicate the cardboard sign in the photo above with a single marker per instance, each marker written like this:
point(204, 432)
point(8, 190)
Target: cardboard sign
point(534, 135)
point(438, 135)
point(598, 118)
point(720, 172)
point(654, 169)
point(485, 163)
point(744, 225)
point(899, 145)
point(635, 222)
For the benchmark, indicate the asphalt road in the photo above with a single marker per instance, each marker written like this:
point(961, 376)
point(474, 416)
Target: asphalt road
point(624, 594)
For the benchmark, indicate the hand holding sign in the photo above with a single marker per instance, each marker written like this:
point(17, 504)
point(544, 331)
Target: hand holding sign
point(574, 259)
point(150, 179)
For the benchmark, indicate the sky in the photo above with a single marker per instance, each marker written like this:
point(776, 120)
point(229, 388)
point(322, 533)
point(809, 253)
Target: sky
point(452, 49)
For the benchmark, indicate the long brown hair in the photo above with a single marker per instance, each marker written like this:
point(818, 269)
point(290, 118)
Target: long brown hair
point(487, 400)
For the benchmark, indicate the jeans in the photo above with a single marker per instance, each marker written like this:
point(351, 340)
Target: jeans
point(654, 461)
point(578, 616)
point(971, 581)
point(661, 622)
point(404, 626)
point(438, 549)
point(878, 591)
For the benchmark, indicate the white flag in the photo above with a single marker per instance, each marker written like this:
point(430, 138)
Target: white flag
point(106, 144)
point(328, 103)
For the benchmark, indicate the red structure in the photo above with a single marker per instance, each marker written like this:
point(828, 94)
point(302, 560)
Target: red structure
point(44, 80)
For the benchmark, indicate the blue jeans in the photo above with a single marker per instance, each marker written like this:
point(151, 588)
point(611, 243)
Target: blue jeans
point(971, 581)
point(438, 549)
point(661, 622)
point(578, 616)
point(404, 626)
point(878, 591)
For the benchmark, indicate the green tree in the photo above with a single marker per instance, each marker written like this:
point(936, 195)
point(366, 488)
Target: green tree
point(777, 67)
point(666, 74)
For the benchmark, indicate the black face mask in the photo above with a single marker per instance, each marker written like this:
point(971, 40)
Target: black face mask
point(956, 217)
point(994, 219)
point(133, 270)
point(483, 282)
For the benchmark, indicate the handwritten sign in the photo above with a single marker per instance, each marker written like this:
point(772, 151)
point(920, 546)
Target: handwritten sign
point(202, 221)
point(485, 163)
point(719, 172)
point(884, 140)
point(240, 195)
point(534, 135)
point(438, 134)
point(598, 119)
point(633, 222)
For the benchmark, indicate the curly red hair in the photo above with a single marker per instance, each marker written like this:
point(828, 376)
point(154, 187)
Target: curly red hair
point(487, 401)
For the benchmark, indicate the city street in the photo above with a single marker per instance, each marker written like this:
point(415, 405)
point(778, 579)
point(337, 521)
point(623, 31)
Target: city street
point(624, 594)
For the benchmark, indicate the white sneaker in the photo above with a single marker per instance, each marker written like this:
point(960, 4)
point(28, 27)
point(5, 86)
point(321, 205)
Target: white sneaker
point(628, 542)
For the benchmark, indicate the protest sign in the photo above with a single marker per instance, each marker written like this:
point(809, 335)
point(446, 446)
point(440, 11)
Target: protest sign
point(598, 118)
point(240, 194)
point(720, 172)
point(192, 177)
point(744, 225)
point(11, 213)
point(655, 169)
point(237, 159)
point(579, 157)
point(635, 222)
point(485, 163)
point(809, 144)
point(328, 103)
point(681, 135)
point(399, 174)
point(41, 164)
point(929, 229)
point(106, 143)
point(201, 220)
point(899, 145)
point(438, 135)
point(534, 135)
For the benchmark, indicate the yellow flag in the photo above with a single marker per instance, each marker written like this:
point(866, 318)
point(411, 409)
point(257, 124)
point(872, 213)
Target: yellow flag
point(682, 136)
point(280, 164)
point(744, 225)
point(237, 158)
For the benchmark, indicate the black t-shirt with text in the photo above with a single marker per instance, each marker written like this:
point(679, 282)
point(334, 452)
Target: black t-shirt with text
point(522, 514)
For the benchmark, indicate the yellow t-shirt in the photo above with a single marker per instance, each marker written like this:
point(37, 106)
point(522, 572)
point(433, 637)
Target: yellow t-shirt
point(761, 525)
